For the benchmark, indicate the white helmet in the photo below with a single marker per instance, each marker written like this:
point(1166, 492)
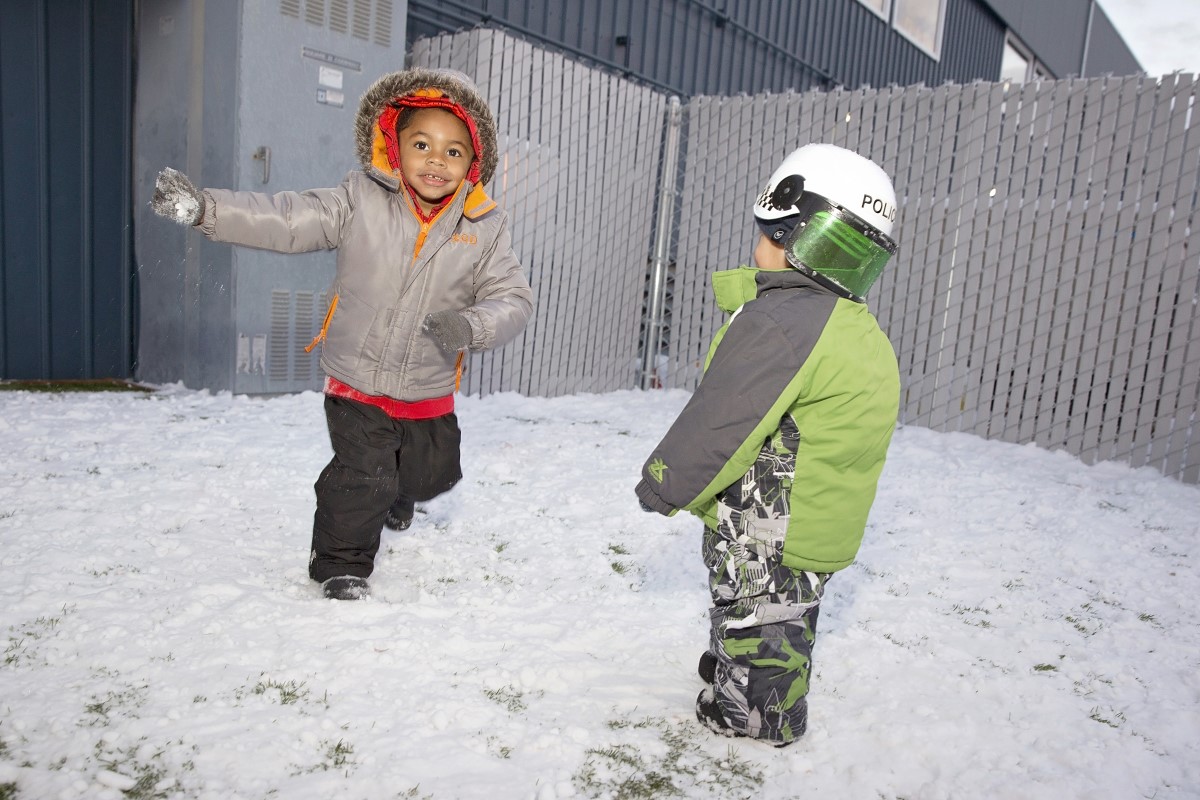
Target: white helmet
point(833, 211)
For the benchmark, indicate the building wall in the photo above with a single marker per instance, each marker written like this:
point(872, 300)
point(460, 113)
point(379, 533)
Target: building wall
point(260, 100)
point(692, 47)
point(66, 292)
point(1056, 33)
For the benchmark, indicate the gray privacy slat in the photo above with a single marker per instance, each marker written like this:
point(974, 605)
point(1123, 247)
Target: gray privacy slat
point(1016, 317)
point(997, 273)
point(924, 258)
point(958, 313)
point(1037, 353)
point(981, 267)
point(570, 350)
point(971, 124)
point(907, 269)
point(1036, 250)
point(1085, 187)
point(1127, 263)
point(1117, 294)
point(1174, 351)
point(1026, 290)
point(1147, 350)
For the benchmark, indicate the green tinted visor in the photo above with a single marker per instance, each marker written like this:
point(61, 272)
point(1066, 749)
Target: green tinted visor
point(841, 247)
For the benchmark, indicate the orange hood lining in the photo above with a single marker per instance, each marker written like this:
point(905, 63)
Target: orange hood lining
point(385, 151)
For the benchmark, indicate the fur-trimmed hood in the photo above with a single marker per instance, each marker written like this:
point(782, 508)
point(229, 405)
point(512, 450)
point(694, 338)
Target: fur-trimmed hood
point(429, 88)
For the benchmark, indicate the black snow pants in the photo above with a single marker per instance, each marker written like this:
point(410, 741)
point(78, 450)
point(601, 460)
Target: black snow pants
point(376, 460)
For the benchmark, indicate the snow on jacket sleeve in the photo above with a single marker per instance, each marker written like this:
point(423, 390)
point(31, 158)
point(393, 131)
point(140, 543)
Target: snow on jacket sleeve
point(287, 222)
point(503, 299)
point(746, 389)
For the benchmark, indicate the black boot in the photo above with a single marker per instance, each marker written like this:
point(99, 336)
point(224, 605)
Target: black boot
point(707, 668)
point(400, 515)
point(346, 587)
point(708, 713)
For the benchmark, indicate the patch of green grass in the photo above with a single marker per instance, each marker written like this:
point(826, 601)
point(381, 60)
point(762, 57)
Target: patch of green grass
point(148, 776)
point(971, 614)
point(681, 768)
point(336, 755)
point(414, 794)
point(115, 703)
point(1044, 668)
point(8, 791)
point(289, 691)
point(510, 698)
point(1116, 720)
point(20, 636)
point(497, 749)
point(68, 386)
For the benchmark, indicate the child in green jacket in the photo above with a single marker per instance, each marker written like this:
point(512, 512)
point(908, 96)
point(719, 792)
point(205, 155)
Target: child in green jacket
point(780, 448)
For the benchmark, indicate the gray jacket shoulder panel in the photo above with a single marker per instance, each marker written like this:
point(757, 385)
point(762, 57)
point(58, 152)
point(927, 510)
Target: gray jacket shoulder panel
point(763, 348)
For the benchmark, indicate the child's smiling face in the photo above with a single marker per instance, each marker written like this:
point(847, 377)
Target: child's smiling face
point(435, 154)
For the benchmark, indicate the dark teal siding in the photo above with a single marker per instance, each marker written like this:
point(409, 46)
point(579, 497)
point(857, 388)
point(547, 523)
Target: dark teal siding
point(65, 144)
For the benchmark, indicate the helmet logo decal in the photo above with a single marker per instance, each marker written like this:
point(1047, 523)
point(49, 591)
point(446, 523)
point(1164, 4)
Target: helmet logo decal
point(787, 193)
point(880, 207)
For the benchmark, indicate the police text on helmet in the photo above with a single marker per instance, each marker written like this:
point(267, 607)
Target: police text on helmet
point(880, 207)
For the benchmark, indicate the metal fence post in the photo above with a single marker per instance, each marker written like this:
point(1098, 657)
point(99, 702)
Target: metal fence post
point(662, 244)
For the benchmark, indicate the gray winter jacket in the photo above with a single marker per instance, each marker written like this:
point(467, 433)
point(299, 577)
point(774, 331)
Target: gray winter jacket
point(393, 268)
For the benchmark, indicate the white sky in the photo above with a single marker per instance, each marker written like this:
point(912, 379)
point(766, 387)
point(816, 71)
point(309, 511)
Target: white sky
point(1164, 35)
point(1017, 625)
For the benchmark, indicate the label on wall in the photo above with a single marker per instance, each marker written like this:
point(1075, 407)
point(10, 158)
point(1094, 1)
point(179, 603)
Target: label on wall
point(328, 76)
point(331, 97)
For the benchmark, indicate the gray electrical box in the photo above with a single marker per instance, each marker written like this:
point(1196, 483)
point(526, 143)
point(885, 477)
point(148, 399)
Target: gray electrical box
point(257, 95)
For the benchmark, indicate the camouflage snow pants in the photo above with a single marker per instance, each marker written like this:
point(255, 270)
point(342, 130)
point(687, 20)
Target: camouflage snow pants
point(764, 615)
point(763, 625)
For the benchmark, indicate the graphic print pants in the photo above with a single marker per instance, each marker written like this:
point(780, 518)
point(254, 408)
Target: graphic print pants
point(764, 614)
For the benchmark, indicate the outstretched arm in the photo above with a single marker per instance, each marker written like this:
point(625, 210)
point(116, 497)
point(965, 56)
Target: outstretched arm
point(286, 222)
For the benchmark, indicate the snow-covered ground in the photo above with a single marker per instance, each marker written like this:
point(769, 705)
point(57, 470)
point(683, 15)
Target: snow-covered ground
point(1018, 624)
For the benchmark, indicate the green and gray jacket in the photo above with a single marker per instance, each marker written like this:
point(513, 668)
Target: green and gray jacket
point(786, 435)
point(393, 266)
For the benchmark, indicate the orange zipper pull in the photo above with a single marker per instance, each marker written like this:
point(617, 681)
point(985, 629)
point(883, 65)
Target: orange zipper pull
point(320, 337)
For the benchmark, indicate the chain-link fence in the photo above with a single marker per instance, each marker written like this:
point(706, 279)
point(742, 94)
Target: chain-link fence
point(1046, 288)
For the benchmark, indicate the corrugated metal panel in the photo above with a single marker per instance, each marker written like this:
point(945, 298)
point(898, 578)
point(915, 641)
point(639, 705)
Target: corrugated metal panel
point(65, 252)
point(1107, 53)
point(695, 47)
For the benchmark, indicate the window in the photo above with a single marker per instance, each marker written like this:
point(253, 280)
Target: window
point(1014, 66)
point(881, 7)
point(1018, 64)
point(919, 21)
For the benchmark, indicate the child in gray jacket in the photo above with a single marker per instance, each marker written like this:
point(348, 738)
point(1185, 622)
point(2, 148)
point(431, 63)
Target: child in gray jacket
point(425, 272)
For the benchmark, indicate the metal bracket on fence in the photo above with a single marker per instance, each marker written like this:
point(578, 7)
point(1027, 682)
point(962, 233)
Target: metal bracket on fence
point(662, 244)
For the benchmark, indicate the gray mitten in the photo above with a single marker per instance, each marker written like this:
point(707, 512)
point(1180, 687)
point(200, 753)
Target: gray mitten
point(176, 199)
point(449, 329)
